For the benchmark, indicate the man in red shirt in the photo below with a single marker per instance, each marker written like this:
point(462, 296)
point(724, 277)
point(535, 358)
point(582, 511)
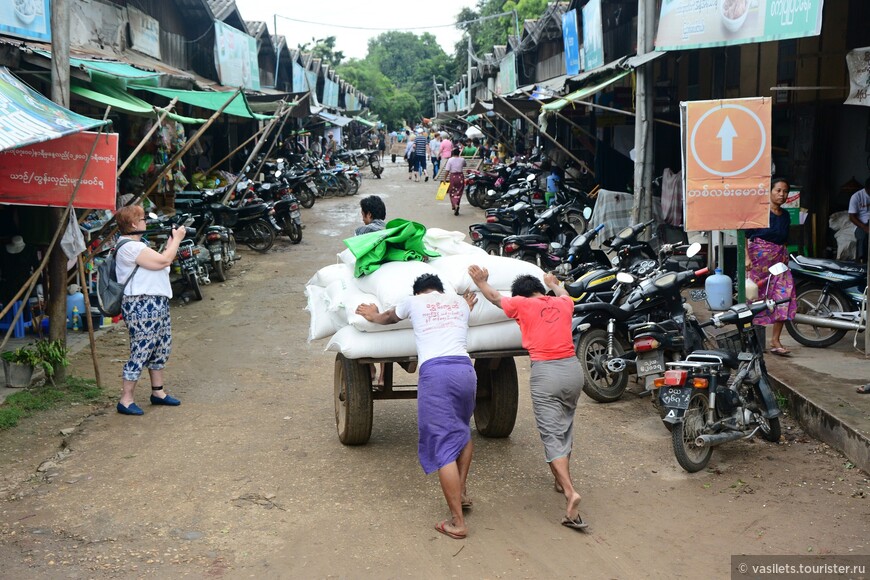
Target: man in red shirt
point(556, 379)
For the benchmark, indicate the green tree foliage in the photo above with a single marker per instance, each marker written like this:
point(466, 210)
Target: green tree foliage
point(493, 32)
point(397, 73)
point(324, 49)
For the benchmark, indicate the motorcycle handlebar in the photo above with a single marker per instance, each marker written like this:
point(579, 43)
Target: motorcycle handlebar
point(702, 272)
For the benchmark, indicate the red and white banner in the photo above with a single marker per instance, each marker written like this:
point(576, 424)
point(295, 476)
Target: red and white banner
point(45, 174)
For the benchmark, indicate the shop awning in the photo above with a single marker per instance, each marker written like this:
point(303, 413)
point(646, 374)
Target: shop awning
point(111, 71)
point(585, 92)
point(365, 122)
point(337, 120)
point(30, 118)
point(212, 101)
point(123, 101)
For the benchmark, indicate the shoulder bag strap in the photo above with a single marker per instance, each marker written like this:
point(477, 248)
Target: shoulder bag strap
point(130, 277)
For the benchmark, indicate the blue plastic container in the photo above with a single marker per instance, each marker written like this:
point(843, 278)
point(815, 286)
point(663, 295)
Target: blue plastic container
point(76, 300)
point(719, 291)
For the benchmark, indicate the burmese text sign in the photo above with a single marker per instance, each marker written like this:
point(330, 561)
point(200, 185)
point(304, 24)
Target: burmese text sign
point(726, 147)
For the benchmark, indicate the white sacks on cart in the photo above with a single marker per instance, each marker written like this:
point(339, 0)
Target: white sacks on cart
point(334, 294)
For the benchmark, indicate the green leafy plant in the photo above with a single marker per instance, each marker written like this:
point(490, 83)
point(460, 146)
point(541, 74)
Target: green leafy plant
point(25, 355)
point(45, 354)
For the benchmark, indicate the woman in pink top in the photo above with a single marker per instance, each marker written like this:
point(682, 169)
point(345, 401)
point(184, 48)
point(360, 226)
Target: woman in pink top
point(556, 379)
point(446, 147)
point(454, 168)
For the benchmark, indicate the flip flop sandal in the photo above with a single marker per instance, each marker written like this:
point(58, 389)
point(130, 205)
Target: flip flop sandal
point(467, 504)
point(779, 351)
point(440, 527)
point(575, 524)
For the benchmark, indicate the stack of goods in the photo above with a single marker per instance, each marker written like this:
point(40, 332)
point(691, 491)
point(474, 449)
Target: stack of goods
point(334, 294)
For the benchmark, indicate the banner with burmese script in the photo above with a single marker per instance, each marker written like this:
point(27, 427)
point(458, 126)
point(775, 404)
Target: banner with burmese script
point(45, 174)
point(702, 23)
point(726, 153)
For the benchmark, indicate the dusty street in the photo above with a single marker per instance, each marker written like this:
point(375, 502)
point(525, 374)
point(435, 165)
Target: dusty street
point(248, 479)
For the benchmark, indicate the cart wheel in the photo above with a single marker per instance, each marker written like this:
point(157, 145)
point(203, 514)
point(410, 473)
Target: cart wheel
point(353, 401)
point(495, 411)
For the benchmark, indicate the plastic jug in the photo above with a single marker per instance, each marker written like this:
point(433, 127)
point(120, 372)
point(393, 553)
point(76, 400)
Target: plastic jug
point(75, 300)
point(719, 293)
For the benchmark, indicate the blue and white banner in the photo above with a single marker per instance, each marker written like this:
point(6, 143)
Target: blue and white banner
point(593, 35)
point(571, 40)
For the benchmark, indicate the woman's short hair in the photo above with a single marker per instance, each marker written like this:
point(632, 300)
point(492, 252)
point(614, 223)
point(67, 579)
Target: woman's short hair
point(527, 285)
point(128, 216)
point(427, 282)
point(375, 206)
point(456, 151)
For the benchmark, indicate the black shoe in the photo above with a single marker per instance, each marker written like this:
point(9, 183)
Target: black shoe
point(427, 179)
point(456, 210)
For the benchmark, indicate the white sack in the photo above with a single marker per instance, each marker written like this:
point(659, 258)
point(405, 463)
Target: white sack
point(322, 323)
point(347, 257)
point(501, 336)
point(355, 344)
point(502, 271)
point(329, 274)
point(394, 281)
point(485, 312)
point(449, 243)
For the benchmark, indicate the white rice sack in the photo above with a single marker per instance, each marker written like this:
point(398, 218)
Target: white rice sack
point(503, 271)
point(348, 305)
point(395, 280)
point(347, 257)
point(329, 274)
point(322, 322)
point(485, 312)
point(448, 243)
point(501, 336)
point(355, 344)
point(454, 269)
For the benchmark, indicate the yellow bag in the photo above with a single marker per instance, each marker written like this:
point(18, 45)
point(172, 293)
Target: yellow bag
point(442, 190)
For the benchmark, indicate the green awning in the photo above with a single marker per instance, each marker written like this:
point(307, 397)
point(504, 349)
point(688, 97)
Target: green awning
point(111, 71)
point(212, 101)
point(365, 122)
point(123, 101)
point(585, 92)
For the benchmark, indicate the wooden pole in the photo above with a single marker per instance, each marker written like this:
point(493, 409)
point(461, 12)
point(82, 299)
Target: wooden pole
point(253, 154)
point(545, 134)
point(233, 152)
point(643, 128)
point(90, 321)
point(285, 114)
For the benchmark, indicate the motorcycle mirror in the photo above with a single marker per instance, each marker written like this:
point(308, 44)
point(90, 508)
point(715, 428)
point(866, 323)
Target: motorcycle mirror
point(555, 246)
point(615, 261)
point(153, 216)
point(778, 269)
point(624, 277)
point(693, 250)
point(531, 177)
point(587, 212)
point(278, 173)
point(490, 193)
point(624, 233)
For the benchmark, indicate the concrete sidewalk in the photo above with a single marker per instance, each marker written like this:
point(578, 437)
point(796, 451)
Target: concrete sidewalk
point(819, 384)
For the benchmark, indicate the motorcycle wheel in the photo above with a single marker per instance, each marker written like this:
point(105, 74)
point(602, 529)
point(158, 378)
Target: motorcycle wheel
point(576, 220)
point(293, 231)
point(471, 195)
point(691, 457)
point(229, 252)
point(773, 431)
point(599, 385)
point(808, 302)
point(261, 237)
point(193, 283)
point(306, 198)
point(218, 273)
point(492, 249)
point(354, 186)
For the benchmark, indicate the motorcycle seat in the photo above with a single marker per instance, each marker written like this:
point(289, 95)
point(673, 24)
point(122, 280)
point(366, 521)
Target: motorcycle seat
point(636, 330)
point(830, 265)
point(728, 358)
point(496, 228)
point(590, 280)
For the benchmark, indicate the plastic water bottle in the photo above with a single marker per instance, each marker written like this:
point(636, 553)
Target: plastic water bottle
point(719, 293)
point(76, 320)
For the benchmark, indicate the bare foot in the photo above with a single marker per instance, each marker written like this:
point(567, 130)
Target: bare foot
point(573, 508)
point(557, 488)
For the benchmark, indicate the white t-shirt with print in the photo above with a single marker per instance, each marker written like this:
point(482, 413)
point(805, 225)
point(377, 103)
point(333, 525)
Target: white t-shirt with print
point(440, 324)
point(859, 204)
point(145, 282)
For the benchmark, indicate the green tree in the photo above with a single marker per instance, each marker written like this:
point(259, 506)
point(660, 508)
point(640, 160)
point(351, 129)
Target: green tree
point(324, 49)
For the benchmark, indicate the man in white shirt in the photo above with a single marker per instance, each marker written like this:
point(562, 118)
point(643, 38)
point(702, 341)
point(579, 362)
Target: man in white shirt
point(859, 214)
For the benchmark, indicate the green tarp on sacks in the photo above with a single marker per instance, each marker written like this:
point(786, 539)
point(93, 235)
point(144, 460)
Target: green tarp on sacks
point(212, 101)
point(400, 241)
point(123, 101)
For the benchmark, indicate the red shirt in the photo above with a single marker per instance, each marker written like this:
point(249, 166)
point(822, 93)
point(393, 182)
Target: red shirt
point(545, 323)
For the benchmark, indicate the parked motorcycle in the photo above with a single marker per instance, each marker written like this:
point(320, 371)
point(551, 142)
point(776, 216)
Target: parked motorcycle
point(706, 406)
point(190, 264)
point(831, 300)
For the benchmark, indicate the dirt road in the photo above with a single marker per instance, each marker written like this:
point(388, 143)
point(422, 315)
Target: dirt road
point(248, 479)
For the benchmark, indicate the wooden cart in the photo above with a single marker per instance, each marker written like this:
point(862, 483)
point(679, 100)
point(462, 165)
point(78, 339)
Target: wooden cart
point(495, 410)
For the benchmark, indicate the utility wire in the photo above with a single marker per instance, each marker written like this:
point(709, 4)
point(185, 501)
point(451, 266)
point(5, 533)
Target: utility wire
point(375, 28)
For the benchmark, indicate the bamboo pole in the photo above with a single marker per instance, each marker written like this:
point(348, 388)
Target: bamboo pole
point(90, 321)
point(253, 155)
point(285, 114)
point(234, 151)
point(545, 134)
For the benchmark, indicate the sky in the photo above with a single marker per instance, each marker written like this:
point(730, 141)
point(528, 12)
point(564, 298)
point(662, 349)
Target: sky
point(384, 15)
